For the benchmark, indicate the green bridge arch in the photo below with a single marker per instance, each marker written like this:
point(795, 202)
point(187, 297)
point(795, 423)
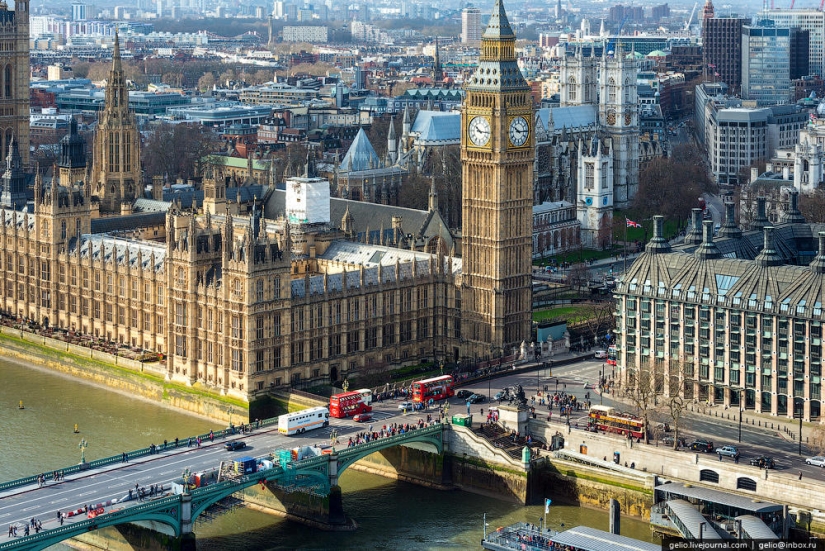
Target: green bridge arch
point(172, 511)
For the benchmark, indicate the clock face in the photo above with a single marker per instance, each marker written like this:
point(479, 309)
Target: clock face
point(519, 131)
point(611, 117)
point(479, 131)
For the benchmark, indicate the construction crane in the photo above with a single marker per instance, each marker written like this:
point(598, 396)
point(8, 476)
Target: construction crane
point(792, 3)
point(692, 13)
point(821, 5)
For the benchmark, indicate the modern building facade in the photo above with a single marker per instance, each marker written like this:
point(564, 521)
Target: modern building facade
point(766, 66)
point(811, 20)
point(497, 156)
point(306, 33)
point(734, 321)
point(470, 25)
point(722, 50)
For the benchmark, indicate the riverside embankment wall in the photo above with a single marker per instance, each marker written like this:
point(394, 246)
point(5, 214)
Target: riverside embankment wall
point(143, 380)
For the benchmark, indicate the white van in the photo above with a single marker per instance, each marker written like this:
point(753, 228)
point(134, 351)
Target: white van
point(601, 354)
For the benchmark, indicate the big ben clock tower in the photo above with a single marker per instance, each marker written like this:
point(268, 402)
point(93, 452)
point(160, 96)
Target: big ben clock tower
point(497, 153)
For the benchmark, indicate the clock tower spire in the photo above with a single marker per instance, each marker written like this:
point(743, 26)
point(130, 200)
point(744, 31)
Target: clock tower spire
point(497, 154)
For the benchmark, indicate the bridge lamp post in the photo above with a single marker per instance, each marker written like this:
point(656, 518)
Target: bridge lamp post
point(230, 411)
point(83, 445)
point(741, 410)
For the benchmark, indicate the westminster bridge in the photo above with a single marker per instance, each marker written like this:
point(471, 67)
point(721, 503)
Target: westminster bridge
point(110, 484)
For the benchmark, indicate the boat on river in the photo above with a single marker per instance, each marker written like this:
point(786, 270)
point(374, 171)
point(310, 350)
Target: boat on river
point(528, 537)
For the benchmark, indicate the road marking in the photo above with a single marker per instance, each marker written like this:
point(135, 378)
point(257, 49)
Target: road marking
point(32, 507)
point(59, 500)
point(86, 494)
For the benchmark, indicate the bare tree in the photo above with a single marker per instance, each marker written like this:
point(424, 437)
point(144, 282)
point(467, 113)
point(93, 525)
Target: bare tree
point(816, 440)
point(642, 388)
point(599, 317)
point(676, 404)
point(812, 206)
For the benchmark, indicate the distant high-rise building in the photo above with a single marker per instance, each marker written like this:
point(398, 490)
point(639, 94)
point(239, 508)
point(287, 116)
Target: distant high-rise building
point(470, 25)
point(766, 51)
point(800, 52)
point(278, 9)
point(660, 12)
point(722, 49)
point(78, 12)
point(809, 20)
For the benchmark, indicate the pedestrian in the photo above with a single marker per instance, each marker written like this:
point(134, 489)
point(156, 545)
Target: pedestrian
point(61, 520)
point(800, 475)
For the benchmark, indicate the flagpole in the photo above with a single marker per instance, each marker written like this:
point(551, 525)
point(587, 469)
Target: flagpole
point(624, 269)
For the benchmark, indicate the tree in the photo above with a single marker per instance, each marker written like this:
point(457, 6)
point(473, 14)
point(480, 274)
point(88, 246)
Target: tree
point(599, 317)
point(670, 186)
point(812, 206)
point(676, 405)
point(642, 388)
point(816, 439)
point(177, 150)
point(206, 82)
point(414, 193)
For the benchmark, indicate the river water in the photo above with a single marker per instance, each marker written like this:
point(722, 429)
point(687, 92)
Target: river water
point(391, 515)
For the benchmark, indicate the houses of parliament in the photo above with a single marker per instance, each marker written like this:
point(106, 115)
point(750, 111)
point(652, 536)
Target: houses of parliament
point(248, 289)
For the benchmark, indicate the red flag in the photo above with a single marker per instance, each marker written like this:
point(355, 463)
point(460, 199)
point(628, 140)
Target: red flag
point(632, 224)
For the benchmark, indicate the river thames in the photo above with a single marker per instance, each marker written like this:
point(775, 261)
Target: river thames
point(391, 515)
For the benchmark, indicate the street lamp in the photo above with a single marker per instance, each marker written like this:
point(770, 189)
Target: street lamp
point(741, 397)
point(601, 385)
point(83, 445)
point(801, 415)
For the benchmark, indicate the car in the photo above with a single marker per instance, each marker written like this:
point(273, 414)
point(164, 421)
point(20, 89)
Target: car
point(464, 393)
point(668, 441)
point(701, 446)
point(501, 395)
point(362, 417)
point(406, 406)
point(727, 451)
point(763, 462)
point(817, 460)
point(234, 445)
point(600, 354)
point(476, 398)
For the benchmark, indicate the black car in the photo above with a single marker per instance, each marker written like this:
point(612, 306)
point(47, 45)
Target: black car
point(702, 446)
point(464, 393)
point(763, 462)
point(233, 445)
point(476, 398)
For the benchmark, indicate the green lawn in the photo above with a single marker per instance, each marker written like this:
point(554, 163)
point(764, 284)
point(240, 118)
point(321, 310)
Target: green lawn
point(572, 314)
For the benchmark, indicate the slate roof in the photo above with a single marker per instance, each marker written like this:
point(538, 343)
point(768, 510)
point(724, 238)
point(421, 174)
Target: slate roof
point(360, 155)
point(109, 224)
point(369, 218)
point(378, 263)
point(436, 127)
point(556, 118)
point(793, 288)
point(112, 249)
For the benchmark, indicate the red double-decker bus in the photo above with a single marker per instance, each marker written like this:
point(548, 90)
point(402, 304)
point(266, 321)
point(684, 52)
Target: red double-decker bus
point(347, 404)
point(437, 388)
point(611, 355)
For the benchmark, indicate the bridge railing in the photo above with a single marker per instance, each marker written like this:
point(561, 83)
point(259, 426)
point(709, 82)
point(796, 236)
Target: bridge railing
point(141, 452)
point(380, 443)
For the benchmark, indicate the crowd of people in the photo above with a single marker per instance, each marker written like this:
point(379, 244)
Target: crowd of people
point(387, 431)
